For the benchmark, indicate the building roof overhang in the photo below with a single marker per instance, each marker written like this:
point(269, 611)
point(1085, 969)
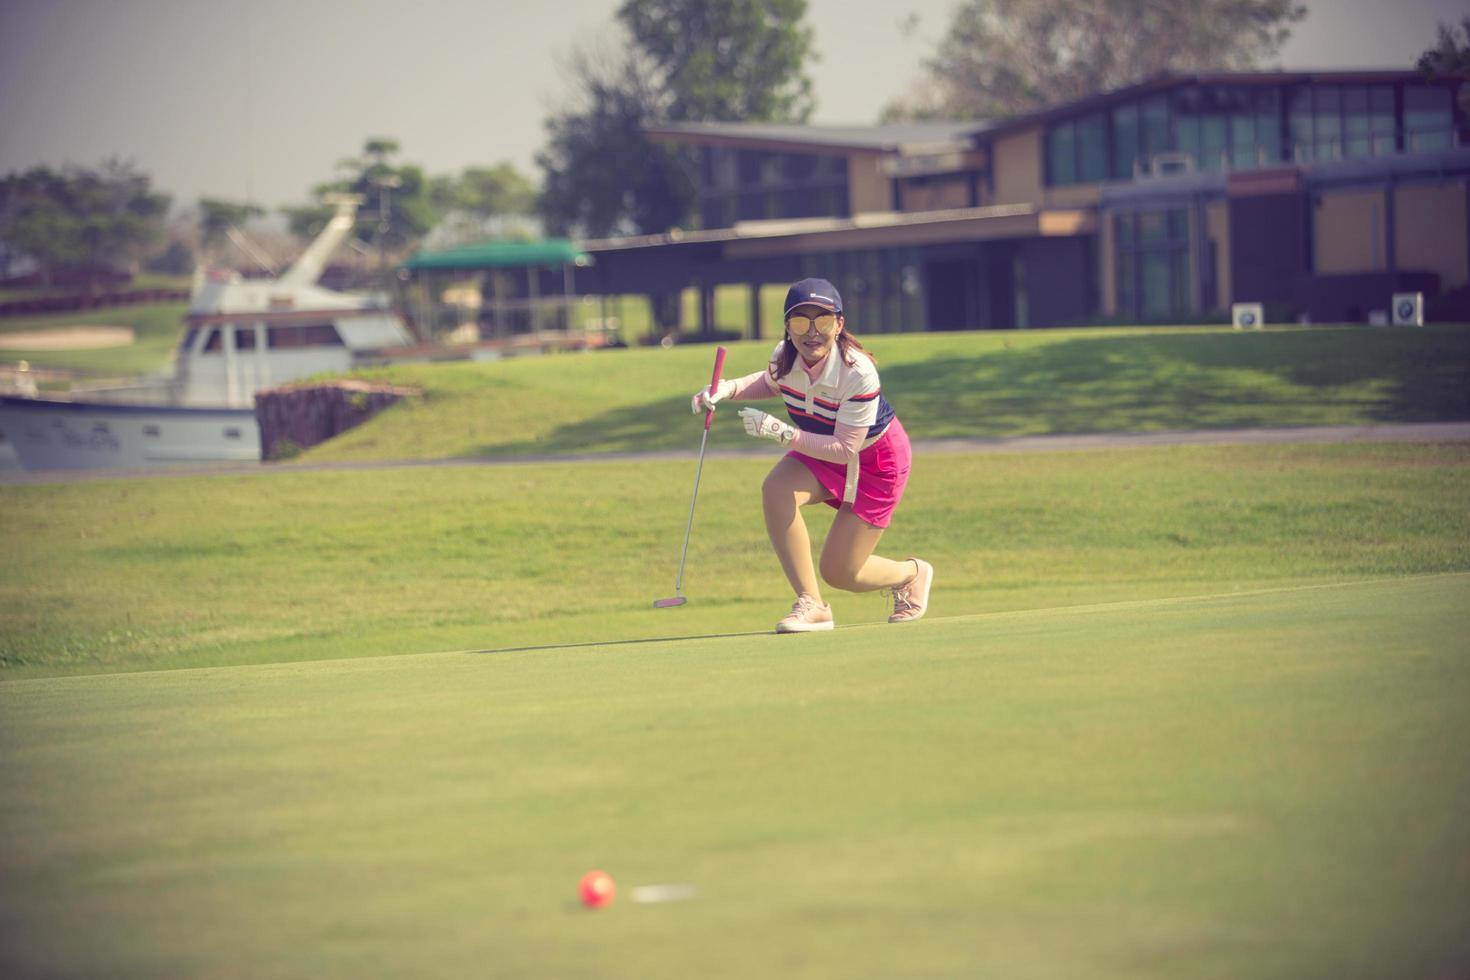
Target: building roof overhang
point(1169, 81)
point(871, 230)
point(550, 252)
point(899, 138)
point(1436, 166)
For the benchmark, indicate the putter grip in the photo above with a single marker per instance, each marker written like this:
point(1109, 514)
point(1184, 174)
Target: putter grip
point(714, 383)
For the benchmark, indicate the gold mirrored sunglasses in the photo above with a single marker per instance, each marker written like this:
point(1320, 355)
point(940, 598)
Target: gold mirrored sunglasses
point(800, 325)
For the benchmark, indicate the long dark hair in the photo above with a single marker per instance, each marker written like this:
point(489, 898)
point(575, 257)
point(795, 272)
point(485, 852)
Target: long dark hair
point(785, 357)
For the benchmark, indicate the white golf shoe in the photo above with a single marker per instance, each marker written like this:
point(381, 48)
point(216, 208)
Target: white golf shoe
point(807, 616)
point(911, 599)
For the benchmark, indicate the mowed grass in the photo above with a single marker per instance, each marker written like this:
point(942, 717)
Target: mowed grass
point(286, 565)
point(1269, 784)
point(990, 384)
point(1175, 712)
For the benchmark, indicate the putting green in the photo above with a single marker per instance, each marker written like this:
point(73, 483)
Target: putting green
point(1264, 784)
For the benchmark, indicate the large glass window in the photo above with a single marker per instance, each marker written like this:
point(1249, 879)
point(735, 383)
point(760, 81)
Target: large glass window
point(1186, 135)
point(1246, 126)
point(1380, 111)
point(1092, 149)
point(1212, 141)
point(1156, 125)
point(1126, 140)
point(800, 166)
point(1327, 123)
point(1127, 266)
point(1061, 153)
point(1152, 263)
point(1220, 127)
point(1243, 135)
point(1300, 123)
point(883, 287)
point(1186, 123)
point(1268, 126)
point(1330, 122)
point(751, 167)
point(831, 168)
point(306, 335)
point(751, 185)
point(1357, 122)
point(720, 168)
point(1429, 118)
point(1157, 296)
point(1214, 126)
point(1077, 151)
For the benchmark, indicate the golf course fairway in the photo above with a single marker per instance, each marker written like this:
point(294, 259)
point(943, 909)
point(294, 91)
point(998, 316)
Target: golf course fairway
point(1263, 784)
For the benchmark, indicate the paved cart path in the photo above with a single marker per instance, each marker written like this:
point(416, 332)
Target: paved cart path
point(1408, 432)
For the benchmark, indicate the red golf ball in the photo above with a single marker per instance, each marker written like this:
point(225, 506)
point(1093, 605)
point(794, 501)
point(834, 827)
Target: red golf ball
point(597, 889)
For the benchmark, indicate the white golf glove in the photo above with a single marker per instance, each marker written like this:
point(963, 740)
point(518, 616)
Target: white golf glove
point(758, 423)
point(703, 401)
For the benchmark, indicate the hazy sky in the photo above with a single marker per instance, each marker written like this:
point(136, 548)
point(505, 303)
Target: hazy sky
point(258, 99)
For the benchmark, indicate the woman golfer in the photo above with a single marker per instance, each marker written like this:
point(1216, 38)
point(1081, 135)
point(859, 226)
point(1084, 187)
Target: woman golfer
point(848, 451)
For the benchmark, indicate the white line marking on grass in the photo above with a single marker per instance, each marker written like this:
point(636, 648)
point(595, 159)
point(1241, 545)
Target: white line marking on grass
point(658, 894)
point(1093, 607)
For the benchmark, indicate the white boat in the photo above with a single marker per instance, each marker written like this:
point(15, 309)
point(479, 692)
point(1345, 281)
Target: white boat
point(242, 336)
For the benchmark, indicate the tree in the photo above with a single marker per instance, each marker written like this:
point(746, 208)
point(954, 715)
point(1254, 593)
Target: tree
point(1004, 58)
point(1450, 56)
point(489, 192)
point(398, 206)
point(483, 203)
point(603, 176)
point(217, 217)
point(90, 222)
point(684, 60)
point(727, 60)
point(1451, 52)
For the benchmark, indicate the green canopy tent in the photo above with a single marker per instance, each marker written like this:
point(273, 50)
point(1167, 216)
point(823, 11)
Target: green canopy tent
point(533, 258)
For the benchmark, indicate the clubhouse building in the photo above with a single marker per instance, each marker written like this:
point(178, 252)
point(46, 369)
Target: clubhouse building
point(1316, 194)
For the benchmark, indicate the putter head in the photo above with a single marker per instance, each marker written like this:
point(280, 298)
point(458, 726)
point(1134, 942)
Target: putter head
point(677, 600)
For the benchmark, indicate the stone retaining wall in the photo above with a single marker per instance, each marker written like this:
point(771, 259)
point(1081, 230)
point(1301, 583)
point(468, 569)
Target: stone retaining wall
point(296, 417)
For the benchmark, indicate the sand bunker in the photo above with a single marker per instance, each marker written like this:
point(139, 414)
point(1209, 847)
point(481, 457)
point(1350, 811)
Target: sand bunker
point(67, 338)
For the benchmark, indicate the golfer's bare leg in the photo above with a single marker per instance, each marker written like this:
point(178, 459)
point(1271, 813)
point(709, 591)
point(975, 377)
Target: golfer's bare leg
point(848, 561)
point(788, 487)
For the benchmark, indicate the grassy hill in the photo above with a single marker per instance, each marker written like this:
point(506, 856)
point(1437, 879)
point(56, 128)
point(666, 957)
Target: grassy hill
point(991, 384)
point(283, 565)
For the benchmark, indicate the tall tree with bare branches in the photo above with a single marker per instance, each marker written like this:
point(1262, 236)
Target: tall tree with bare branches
point(1003, 58)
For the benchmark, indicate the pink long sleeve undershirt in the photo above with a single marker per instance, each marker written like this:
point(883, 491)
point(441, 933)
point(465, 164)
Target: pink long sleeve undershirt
point(840, 447)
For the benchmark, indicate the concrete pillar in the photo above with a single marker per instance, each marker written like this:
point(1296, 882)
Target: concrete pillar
point(1391, 230)
point(706, 310)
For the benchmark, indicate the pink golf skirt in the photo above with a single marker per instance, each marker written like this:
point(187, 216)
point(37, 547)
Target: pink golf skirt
point(883, 470)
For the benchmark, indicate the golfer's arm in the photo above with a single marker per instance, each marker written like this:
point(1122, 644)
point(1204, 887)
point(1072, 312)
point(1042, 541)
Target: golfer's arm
point(752, 387)
point(840, 447)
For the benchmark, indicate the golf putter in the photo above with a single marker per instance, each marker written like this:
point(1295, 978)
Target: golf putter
point(678, 597)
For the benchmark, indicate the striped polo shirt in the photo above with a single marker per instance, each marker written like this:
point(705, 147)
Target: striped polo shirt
point(844, 393)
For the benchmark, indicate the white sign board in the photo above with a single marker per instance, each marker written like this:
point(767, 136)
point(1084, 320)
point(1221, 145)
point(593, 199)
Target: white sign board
point(1247, 316)
point(1408, 309)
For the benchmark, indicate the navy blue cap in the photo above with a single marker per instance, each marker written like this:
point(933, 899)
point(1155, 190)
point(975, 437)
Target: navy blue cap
point(817, 292)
